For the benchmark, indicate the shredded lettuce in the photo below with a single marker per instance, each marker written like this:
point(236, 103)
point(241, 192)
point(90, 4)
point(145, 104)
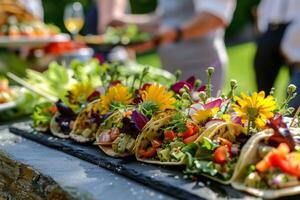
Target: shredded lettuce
point(208, 144)
point(41, 115)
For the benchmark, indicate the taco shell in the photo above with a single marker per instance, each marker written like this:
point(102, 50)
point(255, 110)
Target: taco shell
point(54, 128)
point(84, 135)
point(250, 157)
point(107, 124)
point(227, 131)
point(150, 132)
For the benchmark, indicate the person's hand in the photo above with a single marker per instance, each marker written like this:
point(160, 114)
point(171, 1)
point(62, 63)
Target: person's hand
point(143, 47)
point(116, 23)
point(166, 36)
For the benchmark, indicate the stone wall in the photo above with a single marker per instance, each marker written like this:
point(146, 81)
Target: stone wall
point(19, 181)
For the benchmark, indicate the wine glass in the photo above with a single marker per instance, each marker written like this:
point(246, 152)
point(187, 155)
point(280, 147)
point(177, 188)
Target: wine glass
point(74, 18)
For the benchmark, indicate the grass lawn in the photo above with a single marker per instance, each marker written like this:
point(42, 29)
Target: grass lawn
point(240, 68)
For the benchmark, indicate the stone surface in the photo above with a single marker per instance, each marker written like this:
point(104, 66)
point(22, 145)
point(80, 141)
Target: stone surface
point(73, 174)
point(19, 181)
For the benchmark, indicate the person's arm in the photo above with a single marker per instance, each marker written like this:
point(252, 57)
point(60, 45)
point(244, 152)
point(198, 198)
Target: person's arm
point(105, 15)
point(199, 25)
point(210, 16)
point(145, 22)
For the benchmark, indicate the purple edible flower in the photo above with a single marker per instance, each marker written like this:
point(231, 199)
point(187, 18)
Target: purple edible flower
point(129, 127)
point(139, 119)
point(177, 86)
point(64, 110)
point(213, 104)
point(95, 95)
point(237, 120)
point(96, 118)
point(201, 88)
point(281, 133)
point(190, 83)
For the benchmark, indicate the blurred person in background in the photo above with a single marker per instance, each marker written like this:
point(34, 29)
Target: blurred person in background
point(291, 52)
point(100, 15)
point(274, 19)
point(35, 7)
point(189, 34)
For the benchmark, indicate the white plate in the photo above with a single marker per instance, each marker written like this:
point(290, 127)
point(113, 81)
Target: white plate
point(21, 41)
point(7, 106)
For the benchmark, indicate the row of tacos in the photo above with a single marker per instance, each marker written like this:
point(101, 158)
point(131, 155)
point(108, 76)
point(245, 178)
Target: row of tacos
point(221, 151)
point(238, 140)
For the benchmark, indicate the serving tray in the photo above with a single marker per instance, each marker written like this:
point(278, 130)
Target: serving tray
point(165, 179)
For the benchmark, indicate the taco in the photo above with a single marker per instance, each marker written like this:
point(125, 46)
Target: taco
point(271, 165)
point(117, 135)
point(164, 137)
point(42, 115)
point(216, 153)
point(87, 123)
point(62, 122)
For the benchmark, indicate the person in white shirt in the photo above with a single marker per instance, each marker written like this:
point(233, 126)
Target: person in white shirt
point(290, 47)
point(35, 7)
point(189, 35)
point(274, 18)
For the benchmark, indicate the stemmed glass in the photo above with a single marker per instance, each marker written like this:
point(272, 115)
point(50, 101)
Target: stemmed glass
point(74, 18)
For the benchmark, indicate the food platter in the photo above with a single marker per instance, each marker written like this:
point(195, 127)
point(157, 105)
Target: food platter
point(7, 106)
point(165, 179)
point(21, 41)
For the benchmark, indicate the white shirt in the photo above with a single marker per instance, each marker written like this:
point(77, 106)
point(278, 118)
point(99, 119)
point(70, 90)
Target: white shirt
point(223, 9)
point(277, 11)
point(35, 7)
point(290, 44)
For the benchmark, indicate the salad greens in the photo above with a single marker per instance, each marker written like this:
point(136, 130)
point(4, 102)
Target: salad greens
point(125, 35)
point(42, 114)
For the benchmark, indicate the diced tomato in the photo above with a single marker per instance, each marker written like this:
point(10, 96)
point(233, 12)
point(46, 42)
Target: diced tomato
point(149, 153)
point(225, 142)
point(169, 135)
point(156, 143)
point(190, 139)
point(282, 163)
point(195, 129)
point(263, 165)
point(281, 151)
point(220, 155)
point(189, 132)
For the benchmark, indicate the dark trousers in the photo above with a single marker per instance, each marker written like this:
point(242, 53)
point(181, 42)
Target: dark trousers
point(268, 58)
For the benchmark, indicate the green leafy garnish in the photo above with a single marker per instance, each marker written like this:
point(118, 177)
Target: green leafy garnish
point(41, 115)
point(191, 148)
point(208, 144)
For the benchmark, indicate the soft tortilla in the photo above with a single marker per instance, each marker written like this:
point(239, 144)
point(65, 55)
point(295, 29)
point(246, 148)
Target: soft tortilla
point(108, 123)
point(54, 128)
point(150, 132)
point(250, 157)
point(74, 133)
point(227, 131)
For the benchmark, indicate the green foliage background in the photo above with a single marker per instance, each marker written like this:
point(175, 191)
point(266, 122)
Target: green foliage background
point(54, 10)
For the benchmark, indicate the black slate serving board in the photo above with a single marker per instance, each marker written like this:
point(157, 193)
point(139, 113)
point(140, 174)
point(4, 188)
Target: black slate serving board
point(165, 179)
